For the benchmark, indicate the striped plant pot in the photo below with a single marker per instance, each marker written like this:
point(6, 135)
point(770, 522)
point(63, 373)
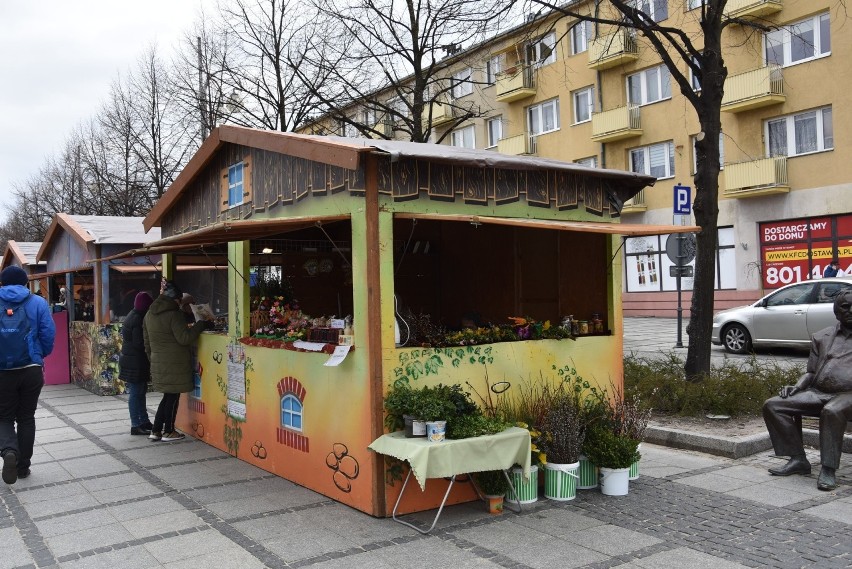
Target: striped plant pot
point(560, 481)
point(588, 474)
point(634, 468)
point(527, 488)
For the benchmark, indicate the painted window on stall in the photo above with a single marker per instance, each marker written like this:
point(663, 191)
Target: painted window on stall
point(196, 384)
point(235, 185)
point(291, 412)
point(647, 265)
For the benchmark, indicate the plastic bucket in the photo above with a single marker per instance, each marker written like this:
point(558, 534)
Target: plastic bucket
point(614, 481)
point(560, 481)
point(588, 474)
point(436, 431)
point(527, 488)
point(413, 427)
point(634, 468)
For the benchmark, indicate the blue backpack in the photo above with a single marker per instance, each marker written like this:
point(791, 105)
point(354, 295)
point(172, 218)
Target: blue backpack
point(14, 335)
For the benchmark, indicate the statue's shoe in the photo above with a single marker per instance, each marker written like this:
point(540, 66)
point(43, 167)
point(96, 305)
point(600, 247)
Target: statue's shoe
point(827, 480)
point(793, 466)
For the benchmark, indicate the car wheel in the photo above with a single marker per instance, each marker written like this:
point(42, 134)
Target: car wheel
point(736, 339)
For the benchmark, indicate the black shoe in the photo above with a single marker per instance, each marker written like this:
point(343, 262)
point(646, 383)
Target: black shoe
point(796, 465)
point(139, 431)
point(23, 473)
point(10, 467)
point(827, 481)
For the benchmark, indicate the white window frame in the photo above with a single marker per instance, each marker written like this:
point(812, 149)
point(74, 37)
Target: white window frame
point(658, 76)
point(293, 412)
point(462, 83)
point(693, 4)
point(657, 9)
point(551, 107)
point(578, 105)
point(693, 80)
point(398, 105)
point(236, 184)
point(494, 129)
point(789, 122)
point(535, 49)
point(646, 151)
point(492, 67)
point(368, 117)
point(694, 139)
point(581, 35)
point(589, 162)
point(464, 137)
point(784, 38)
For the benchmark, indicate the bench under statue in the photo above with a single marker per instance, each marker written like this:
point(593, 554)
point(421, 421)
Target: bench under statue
point(824, 391)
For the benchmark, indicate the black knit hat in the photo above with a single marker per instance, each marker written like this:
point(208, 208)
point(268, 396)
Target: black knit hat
point(14, 275)
point(172, 290)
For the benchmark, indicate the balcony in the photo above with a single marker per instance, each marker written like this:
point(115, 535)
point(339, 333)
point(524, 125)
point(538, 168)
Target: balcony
point(517, 145)
point(762, 177)
point(612, 49)
point(752, 8)
point(616, 124)
point(442, 113)
point(515, 83)
point(754, 89)
point(636, 204)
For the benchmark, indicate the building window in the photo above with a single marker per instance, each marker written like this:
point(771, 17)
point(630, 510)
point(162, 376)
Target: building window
point(649, 86)
point(349, 128)
point(462, 84)
point(492, 68)
point(802, 133)
point(658, 10)
point(590, 162)
point(721, 153)
point(398, 108)
point(196, 381)
point(543, 117)
point(291, 412)
point(495, 131)
point(693, 4)
point(584, 104)
point(464, 137)
point(235, 185)
point(656, 160)
point(800, 41)
point(542, 51)
point(696, 85)
point(368, 117)
point(581, 34)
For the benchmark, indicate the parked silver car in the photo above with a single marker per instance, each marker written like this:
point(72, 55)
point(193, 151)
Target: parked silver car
point(785, 317)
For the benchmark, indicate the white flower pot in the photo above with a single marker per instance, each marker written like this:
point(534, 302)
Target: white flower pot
point(614, 481)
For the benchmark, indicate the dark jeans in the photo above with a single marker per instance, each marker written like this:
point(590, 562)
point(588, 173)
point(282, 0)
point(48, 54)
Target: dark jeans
point(164, 420)
point(19, 391)
point(137, 404)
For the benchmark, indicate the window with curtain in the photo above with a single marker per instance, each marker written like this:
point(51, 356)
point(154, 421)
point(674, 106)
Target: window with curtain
point(656, 160)
point(464, 137)
point(584, 104)
point(649, 86)
point(492, 68)
point(657, 9)
point(802, 133)
point(800, 41)
point(462, 84)
point(581, 35)
point(543, 117)
point(542, 51)
point(591, 162)
point(495, 131)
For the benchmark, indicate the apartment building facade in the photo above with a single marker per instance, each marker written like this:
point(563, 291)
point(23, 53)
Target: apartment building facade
point(581, 92)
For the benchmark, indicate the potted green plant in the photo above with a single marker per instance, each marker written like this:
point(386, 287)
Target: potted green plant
point(613, 453)
point(566, 429)
point(493, 485)
point(400, 409)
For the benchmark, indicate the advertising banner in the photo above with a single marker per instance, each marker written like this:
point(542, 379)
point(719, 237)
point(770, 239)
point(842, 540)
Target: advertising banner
point(794, 250)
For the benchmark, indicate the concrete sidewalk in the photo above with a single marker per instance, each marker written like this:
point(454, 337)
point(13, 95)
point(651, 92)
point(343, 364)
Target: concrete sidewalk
point(99, 497)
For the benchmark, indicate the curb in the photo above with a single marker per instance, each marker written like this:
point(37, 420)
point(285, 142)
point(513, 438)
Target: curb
point(729, 447)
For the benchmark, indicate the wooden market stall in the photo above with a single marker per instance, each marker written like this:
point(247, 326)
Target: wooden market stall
point(92, 297)
point(370, 229)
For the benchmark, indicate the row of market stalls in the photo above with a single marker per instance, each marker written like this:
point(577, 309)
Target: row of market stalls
point(386, 248)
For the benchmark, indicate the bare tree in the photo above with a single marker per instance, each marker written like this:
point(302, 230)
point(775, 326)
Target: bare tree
point(387, 60)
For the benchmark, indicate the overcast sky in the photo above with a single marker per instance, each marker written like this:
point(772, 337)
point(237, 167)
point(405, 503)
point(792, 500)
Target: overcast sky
point(57, 60)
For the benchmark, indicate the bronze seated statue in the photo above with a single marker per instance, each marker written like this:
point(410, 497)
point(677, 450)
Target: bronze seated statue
point(824, 391)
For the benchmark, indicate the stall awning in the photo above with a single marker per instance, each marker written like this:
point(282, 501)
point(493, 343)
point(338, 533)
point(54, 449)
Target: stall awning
point(629, 229)
point(152, 269)
point(227, 231)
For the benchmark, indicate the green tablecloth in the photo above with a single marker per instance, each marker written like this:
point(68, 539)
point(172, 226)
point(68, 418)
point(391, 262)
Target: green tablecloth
point(462, 456)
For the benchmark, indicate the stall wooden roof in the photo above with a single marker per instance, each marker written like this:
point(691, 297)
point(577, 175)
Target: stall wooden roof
point(24, 251)
point(98, 229)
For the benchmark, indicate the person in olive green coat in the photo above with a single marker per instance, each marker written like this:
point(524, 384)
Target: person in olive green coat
point(168, 343)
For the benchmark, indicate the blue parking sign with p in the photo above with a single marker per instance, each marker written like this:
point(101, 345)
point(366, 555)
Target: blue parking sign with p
point(682, 200)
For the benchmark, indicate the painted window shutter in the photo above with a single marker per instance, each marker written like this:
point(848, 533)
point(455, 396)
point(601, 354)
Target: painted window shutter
point(223, 189)
point(247, 171)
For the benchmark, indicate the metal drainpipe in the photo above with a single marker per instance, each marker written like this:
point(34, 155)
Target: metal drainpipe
point(600, 106)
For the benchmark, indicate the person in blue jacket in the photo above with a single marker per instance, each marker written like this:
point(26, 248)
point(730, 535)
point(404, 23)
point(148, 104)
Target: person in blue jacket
point(21, 381)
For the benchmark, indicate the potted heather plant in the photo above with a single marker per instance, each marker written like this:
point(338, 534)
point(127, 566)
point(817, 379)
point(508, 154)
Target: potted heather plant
point(566, 430)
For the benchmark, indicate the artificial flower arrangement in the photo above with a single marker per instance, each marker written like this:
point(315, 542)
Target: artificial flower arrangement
point(521, 328)
point(286, 320)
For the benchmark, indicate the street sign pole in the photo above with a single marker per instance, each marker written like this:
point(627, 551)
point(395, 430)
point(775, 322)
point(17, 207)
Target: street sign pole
point(682, 208)
point(679, 343)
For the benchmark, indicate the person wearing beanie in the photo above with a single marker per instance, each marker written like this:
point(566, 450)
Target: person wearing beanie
point(134, 367)
point(169, 343)
point(22, 353)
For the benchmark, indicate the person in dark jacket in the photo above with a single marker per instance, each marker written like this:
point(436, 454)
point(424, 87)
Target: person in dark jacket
point(20, 386)
point(168, 343)
point(134, 367)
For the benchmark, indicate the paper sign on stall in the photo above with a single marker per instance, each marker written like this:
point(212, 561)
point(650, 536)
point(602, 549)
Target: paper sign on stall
point(338, 356)
point(237, 390)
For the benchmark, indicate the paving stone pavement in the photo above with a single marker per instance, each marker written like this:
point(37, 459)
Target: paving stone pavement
point(99, 497)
